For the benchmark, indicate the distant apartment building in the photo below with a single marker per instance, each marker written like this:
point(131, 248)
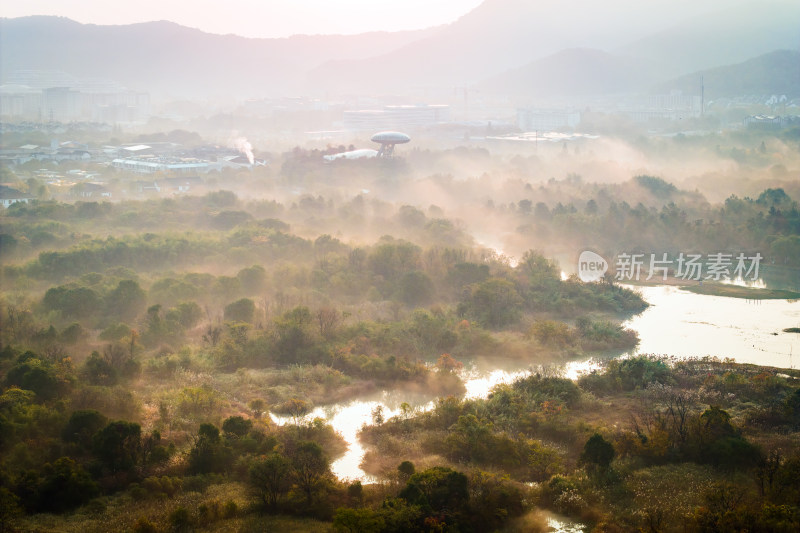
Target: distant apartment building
point(56, 96)
point(114, 108)
point(547, 119)
point(20, 101)
point(396, 117)
point(61, 103)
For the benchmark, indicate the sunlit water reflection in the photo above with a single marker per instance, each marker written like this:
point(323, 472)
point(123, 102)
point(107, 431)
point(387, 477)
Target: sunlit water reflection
point(559, 524)
point(677, 323)
point(741, 282)
point(479, 384)
point(684, 324)
point(348, 418)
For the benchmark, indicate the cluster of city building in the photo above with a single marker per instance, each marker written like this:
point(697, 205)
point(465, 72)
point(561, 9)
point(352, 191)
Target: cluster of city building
point(51, 96)
point(57, 96)
point(56, 103)
point(164, 167)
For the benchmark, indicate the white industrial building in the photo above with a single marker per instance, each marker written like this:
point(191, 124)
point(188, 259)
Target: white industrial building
point(151, 165)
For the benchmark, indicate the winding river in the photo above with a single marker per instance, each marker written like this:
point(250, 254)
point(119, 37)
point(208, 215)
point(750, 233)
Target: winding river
point(677, 323)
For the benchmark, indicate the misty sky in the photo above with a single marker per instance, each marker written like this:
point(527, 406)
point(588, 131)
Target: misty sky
point(255, 18)
point(281, 18)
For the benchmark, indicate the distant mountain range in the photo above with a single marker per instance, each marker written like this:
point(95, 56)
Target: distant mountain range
point(585, 72)
point(571, 73)
point(515, 35)
point(509, 47)
point(722, 38)
point(169, 59)
point(775, 73)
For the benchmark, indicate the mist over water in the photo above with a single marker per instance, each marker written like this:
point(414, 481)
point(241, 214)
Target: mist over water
point(683, 324)
point(276, 268)
point(678, 324)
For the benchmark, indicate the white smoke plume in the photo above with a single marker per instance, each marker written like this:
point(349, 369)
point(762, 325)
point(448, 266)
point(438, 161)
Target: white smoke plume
point(243, 145)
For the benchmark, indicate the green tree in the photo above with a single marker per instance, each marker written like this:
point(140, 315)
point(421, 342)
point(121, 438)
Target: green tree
point(405, 470)
point(415, 288)
point(253, 279)
point(219, 199)
point(187, 314)
point(209, 453)
point(718, 442)
point(126, 301)
point(78, 302)
point(236, 427)
point(538, 269)
point(180, 520)
point(438, 489)
point(310, 467)
point(152, 451)
point(98, 370)
point(242, 310)
point(657, 186)
point(786, 249)
point(392, 259)
point(294, 341)
point(355, 492)
point(493, 303)
point(59, 487)
point(296, 408)
point(470, 439)
point(82, 426)
point(226, 288)
point(773, 197)
point(72, 333)
point(493, 501)
point(598, 451)
point(257, 406)
point(358, 521)
point(118, 445)
point(10, 507)
point(229, 219)
point(34, 374)
point(115, 332)
point(463, 274)
point(270, 477)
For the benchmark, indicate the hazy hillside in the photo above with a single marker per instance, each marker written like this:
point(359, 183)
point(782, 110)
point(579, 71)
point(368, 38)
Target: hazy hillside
point(494, 37)
point(164, 57)
point(777, 73)
point(572, 72)
point(503, 34)
point(168, 59)
point(721, 38)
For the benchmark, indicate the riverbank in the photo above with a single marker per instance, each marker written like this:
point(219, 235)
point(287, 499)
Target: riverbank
point(736, 291)
point(673, 433)
point(712, 288)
